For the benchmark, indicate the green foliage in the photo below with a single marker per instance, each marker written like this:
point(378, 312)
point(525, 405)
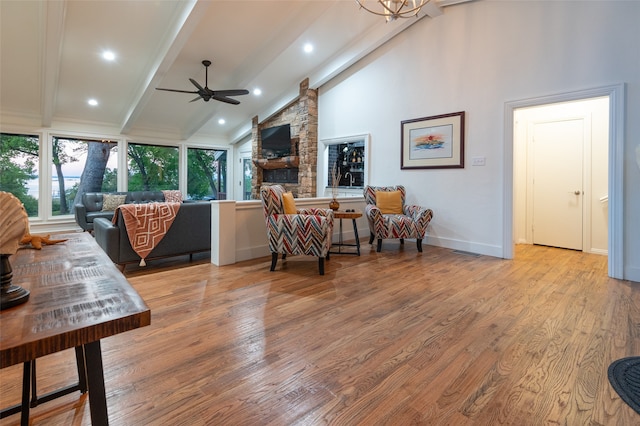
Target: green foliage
point(152, 167)
point(18, 159)
point(206, 172)
point(110, 181)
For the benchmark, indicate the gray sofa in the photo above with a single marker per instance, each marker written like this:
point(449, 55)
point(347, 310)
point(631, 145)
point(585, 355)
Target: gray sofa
point(90, 207)
point(189, 233)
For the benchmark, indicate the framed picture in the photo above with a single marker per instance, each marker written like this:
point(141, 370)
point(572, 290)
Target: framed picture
point(433, 142)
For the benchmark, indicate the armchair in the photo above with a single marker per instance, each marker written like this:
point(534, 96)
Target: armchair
point(307, 232)
point(396, 219)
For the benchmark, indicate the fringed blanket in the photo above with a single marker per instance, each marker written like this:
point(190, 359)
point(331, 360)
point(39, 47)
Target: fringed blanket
point(146, 224)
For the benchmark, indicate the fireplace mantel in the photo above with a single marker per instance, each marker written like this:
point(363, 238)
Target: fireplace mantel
point(290, 162)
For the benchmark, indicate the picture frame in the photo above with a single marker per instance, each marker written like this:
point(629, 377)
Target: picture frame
point(435, 142)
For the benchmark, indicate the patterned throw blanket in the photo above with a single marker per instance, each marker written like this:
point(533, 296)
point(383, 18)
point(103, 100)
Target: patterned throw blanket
point(146, 224)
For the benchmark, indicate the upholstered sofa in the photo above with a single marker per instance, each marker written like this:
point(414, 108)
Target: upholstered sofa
point(92, 203)
point(189, 233)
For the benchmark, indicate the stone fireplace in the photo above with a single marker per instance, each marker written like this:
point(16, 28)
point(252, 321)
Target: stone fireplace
point(297, 172)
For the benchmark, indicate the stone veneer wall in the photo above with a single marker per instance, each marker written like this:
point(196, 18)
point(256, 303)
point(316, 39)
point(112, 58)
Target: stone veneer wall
point(302, 115)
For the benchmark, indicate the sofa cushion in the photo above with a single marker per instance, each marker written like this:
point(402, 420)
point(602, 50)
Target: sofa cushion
point(172, 195)
point(111, 201)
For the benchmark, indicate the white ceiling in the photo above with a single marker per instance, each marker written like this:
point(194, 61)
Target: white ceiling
point(51, 64)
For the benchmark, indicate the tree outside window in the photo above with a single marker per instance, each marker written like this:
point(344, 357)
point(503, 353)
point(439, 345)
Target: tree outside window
point(152, 167)
point(19, 169)
point(80, 166)
point(206, 174)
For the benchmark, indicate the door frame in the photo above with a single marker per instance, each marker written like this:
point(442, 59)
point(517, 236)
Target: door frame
point(616, 95)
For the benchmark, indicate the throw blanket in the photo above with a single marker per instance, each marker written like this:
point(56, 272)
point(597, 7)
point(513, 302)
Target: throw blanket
point(146, 224)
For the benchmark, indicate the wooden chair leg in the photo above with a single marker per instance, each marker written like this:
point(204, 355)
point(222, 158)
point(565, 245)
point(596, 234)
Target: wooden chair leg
point(321, 265)
point(379, 245)
point(419, 243)
point(274, 260)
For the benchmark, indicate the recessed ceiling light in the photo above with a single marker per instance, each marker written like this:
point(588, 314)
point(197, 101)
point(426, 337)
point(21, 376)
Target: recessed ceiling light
point(257, 92)
point(308, 48)
point(92, 102)
point(221, 121)
point(108, 55)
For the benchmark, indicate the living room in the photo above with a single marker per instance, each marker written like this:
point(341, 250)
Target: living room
point(487, 58)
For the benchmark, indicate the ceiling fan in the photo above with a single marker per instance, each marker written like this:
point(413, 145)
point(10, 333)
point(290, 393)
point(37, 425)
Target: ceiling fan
point(206, 94)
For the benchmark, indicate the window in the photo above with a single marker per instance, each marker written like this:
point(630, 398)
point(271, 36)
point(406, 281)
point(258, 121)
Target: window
point(246, 180)
point(19, 168)
point(152, 167)
point(206, 174)
point(80, 166)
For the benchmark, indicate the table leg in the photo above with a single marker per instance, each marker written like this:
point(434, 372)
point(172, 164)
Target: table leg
point(26, 386)
point(95, 378)
point(355, 231)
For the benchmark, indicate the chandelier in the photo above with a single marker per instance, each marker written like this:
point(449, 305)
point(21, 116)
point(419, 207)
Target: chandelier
point(393, 9)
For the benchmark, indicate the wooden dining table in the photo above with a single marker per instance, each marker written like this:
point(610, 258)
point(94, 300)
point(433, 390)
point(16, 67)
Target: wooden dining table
point(77, 297)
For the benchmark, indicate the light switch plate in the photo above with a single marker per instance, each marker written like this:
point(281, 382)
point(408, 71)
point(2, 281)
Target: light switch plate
point(478, 161)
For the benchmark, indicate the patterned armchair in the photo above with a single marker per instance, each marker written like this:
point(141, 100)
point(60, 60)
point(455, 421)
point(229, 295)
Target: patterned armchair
point(405, 222)
point(308, 232)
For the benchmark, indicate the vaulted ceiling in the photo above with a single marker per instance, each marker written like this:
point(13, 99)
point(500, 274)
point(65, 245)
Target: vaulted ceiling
point(51, 59)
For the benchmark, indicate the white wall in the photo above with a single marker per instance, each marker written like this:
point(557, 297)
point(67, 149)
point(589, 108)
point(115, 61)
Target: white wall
point(475, 58)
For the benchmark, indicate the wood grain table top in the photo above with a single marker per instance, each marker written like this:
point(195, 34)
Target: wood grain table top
point(78, 296)
point(338, 214)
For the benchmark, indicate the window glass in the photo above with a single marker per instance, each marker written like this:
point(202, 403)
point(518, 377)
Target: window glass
point(80, 166)
point(348, 158)
point(152, 167)
point(206, 174)
point(19, 169)
point(247, 175)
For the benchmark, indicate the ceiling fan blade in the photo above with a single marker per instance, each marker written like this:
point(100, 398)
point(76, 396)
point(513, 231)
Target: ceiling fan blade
point(236, 92)
point(179, 91)
point(195, 83)
point(225, 99)
point(195, 99)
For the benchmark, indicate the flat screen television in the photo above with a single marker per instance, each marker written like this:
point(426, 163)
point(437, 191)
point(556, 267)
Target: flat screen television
point(276, 141)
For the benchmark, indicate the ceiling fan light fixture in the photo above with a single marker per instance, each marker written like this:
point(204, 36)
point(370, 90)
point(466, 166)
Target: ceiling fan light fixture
point(207, 94)
point(393, 9)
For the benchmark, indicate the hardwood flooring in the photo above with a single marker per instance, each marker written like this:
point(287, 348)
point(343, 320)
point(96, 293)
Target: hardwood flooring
point(390, 338)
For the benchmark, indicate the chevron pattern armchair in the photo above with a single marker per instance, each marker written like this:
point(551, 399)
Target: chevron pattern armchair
point(307, 232)
point(405, 222)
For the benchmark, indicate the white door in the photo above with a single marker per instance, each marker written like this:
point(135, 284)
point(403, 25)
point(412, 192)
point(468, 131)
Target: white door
point(557, 183)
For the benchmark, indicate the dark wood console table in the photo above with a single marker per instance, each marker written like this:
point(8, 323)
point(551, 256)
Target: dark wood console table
point(78, 297)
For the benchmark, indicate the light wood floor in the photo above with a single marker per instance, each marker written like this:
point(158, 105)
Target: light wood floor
point(391, 338)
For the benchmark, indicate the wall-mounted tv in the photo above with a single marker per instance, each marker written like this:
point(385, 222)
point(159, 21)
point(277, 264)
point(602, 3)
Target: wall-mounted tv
point(276, 141)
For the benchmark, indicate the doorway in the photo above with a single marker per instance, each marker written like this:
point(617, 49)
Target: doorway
point(614, 197)
point(561, 152)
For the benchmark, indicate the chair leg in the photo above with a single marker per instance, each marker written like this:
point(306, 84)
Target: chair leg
point(419, 243)
point(284, 256)
point(321, 265)
point(327, 256)
point(401, 240)
point(371, 238)
point(379, 245)
point(274, 260)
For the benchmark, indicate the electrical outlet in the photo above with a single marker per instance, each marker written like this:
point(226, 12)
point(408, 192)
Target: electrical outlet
point(478, 161)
